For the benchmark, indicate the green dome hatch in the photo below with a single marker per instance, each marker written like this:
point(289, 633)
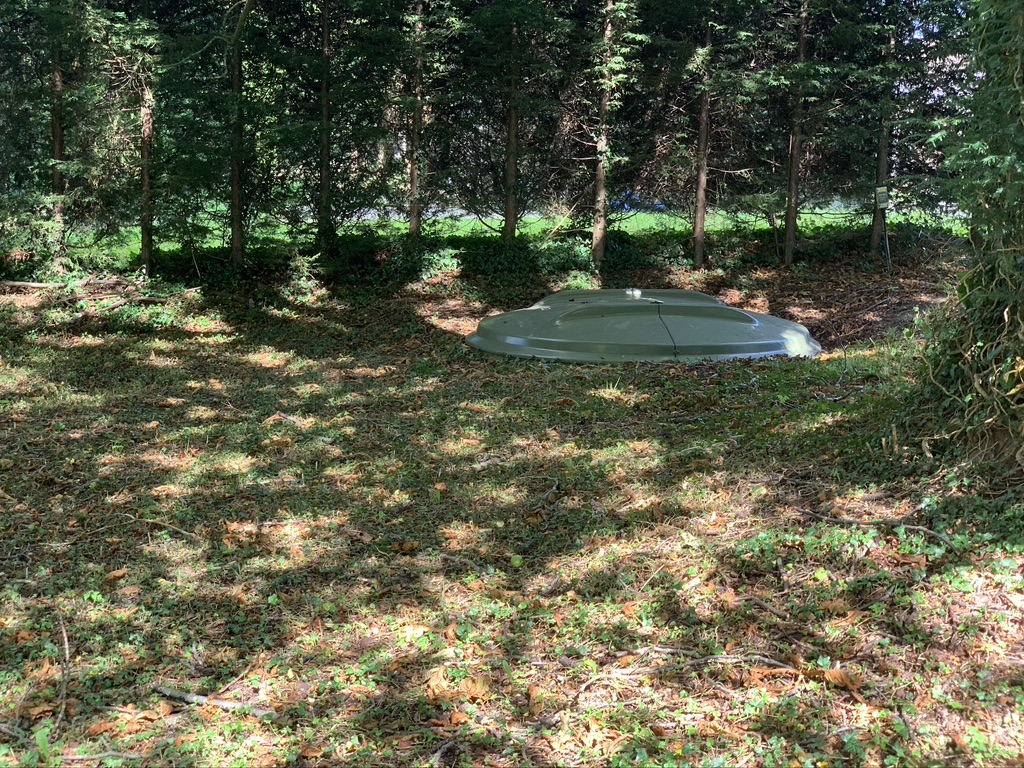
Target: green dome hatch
point(614, 326)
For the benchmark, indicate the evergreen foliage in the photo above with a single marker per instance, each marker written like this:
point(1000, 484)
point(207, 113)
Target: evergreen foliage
point(304, 118)
point(976, 359)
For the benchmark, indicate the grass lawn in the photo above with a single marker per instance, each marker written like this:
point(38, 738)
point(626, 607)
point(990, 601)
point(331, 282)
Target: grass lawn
point(322, 506)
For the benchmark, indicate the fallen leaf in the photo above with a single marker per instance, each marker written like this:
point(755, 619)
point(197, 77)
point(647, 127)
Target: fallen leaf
point(359, 536)
point(537, 696)
point(117, 575)
point(835, 607)
point(840, 678)
point(412, 632)
point(24, 637)
point(98, 729)
point(436, 684)
point(917, 561)
point(44, 670)
point(407, 742)
point(851, 618)
point(405, 546)
point(480, 466)
point(210, 713)
point(961, 743)
point(278, 441)
point(476, 688)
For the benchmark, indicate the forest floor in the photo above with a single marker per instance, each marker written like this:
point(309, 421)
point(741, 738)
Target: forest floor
point(321, 506)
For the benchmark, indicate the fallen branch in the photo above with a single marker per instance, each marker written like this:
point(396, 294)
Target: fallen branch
point(112, 755)
point(246, 671)
point(225, 704)
point(103, 756)
point(446, 756)
point(765, 606)
point(894, 522)
point(162, 524)
point(64, 670)
point(13, 732)
point(112, 306)
point(28, 285)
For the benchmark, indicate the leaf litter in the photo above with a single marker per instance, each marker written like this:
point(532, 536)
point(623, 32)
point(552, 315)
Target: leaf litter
point(402, 550)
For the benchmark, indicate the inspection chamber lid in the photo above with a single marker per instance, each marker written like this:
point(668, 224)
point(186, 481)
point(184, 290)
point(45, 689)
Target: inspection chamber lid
point(608, 326)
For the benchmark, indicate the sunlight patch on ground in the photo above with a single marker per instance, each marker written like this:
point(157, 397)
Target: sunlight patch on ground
point(268, 358)
point(366, 372)
point(616, 394)
point(169, 461)
point(465, 445)
point(454, 316)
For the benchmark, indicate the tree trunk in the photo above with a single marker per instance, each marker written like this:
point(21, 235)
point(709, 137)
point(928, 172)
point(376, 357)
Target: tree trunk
point(599, 244)
point(237, 137)
point(508, 230)
point(416, 133)
point(703, 140)
point(881, 179)
point(59, 185)
point(795, 143)
point(882, 167)
point(325, 217)
point(146, 153)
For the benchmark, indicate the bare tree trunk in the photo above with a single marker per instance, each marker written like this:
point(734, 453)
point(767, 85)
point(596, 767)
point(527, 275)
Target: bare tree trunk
point(237, 137)
point(599, 244)
point(882, 166)
point(881, 179)
point(508, 230)
point(795, 144)
point(703, 140)
point(325, 217)
point(59, 185)
point(416, 134)
point(146, 153)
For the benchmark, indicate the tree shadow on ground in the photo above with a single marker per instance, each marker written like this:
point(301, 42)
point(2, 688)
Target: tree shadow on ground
point(299, 501)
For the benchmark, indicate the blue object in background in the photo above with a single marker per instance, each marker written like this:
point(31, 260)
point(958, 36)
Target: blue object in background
point(631, 201)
